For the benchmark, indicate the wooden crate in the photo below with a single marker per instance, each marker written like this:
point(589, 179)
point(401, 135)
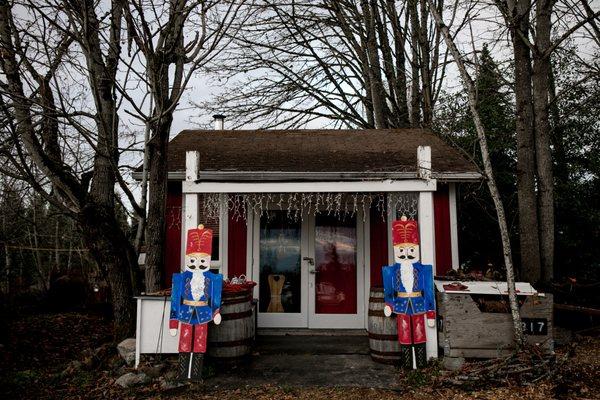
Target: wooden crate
point(465, 331)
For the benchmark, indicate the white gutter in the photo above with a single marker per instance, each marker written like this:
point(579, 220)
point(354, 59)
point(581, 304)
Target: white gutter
point(253, 176)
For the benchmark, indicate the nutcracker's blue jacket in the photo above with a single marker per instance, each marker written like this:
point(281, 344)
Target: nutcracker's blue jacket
point(181, 290)
point(423, 283)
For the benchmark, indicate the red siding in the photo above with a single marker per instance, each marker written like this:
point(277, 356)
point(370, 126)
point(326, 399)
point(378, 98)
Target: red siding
point(379, 246)
point(443, 247)
point(236, 246)
point(173, 222)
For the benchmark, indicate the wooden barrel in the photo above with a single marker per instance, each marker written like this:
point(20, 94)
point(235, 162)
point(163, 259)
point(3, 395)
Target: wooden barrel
point(383, 331)
point(232, 340)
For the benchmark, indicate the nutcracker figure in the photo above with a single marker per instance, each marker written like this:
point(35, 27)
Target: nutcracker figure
point(195, 301)
point(408, 293)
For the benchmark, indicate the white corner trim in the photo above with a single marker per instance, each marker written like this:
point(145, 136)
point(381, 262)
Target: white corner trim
point(223, 235)
point(424, 162)
point(366, 242)
point(192, 165)
point(453, 225)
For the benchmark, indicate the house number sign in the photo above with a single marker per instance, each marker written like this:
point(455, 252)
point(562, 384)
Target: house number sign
point(535, 326)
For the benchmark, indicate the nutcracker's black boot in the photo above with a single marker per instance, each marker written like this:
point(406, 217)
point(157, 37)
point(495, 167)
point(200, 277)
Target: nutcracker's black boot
point(197, 361)
point(184, 366)
point(421, 355)
point(405, 357)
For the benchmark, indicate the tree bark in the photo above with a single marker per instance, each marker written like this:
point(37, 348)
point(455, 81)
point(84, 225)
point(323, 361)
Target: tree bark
point(415, 93)
point(401, 87)
point(111, 249)
point(156, 231)
point(527, 200)
point(541, 78)
point(376, 87)
point(94, 207)
point(426, 92)
point(489, 174)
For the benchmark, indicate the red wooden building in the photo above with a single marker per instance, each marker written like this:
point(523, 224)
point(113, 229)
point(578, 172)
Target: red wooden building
point(306, 213)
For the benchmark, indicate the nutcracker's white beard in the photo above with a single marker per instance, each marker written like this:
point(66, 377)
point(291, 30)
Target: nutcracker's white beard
point(197, 285)
point(407, 275)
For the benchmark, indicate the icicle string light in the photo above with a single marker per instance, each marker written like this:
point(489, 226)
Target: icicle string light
point(298, 205)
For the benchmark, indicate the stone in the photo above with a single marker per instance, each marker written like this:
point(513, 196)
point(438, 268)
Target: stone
point(152, 371)
point(167, 384)
point(126, 350)
point(453, 363)
point(131, 379)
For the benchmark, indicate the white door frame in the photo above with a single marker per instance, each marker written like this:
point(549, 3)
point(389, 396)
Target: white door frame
point(338, 321)
point(307, 318)
point(282, 320)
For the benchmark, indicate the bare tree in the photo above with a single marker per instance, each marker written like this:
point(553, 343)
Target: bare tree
point(489, 173)
point(530, 29)
point(42, 123)
point(169, 63)
point(346, 63)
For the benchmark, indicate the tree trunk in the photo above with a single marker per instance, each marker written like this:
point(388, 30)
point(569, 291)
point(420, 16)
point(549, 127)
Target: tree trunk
point(489, 174)
point(377, 89)
point(401, 87)
point(541, 79)
point(114, 254)
point(527, 201)
point(156, 231)
point(415, 94)
point(427, 96)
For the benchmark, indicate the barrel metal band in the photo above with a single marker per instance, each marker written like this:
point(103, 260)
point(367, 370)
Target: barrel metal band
point(376, 313)
point(239, 315)
point(379, 336)
point(386, 353)
point(233, 343)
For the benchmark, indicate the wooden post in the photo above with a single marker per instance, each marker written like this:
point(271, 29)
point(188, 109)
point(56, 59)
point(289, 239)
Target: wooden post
point(192, 163)
point(427, 245)
point(427, 232)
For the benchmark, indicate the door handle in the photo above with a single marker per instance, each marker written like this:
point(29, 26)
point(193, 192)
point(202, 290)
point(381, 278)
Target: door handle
point(313, 271)
point(311, 261)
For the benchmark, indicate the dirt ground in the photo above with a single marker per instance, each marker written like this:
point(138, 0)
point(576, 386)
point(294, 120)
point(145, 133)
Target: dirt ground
point(72, 356)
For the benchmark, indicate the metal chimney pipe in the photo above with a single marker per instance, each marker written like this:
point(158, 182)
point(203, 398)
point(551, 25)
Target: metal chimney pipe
point(219, 121)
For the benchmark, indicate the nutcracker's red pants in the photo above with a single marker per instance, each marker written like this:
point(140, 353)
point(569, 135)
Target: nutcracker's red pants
point(192, 338)
point(411, 329)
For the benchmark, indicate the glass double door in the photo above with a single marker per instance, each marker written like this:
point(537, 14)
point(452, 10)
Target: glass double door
point(309, 270)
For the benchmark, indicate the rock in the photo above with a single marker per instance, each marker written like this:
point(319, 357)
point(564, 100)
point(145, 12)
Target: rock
point(126, 350)
point(152, 371)
point(166, 384)
point(115, 363)
point(453, 363)
point(131, 379)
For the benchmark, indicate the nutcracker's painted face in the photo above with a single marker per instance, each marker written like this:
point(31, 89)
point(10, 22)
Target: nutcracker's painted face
point(197, 262)
point(406, 253)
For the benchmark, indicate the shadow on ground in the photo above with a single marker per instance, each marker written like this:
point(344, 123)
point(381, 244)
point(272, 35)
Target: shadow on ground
point(304, 361)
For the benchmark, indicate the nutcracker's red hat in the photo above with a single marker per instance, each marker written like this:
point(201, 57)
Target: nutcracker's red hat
point(199, 241)
point(405, 232)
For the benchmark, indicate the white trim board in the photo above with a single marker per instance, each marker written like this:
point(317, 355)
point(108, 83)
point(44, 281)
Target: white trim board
point(388, 185)
point(453, 225)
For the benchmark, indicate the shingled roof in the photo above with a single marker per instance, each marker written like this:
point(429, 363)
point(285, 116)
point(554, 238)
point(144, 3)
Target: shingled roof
point(368, 152)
